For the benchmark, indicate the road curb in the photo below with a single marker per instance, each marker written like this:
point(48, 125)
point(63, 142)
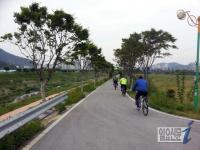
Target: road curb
point(35, 140)
point(164, 113)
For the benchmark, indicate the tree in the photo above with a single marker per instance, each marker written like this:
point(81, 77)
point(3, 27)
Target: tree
point(109, 68)
point(6, 68)
point(96, 59)
point(155, 45)
point(128, 54)
point(81, 57)
point(47, 39)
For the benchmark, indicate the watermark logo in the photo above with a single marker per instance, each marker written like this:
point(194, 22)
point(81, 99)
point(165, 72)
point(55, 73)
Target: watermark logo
point(187, 138)
point(175, 134)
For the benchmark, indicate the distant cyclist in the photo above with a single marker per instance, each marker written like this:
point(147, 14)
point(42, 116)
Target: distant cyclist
point(115, 82)
point(123, 83)
point(141, 88)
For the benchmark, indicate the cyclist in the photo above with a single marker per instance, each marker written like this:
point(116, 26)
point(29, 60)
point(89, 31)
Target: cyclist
point(141, 88)
point(115, 82)
point(123, 83)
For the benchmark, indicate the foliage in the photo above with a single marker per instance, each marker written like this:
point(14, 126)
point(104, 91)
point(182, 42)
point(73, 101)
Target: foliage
point(6, 68)
point(45, 38)
point(89, 87)
point(20, 136)
point(75, 94)
point(80, 55)
point(171, 93)
point(18, 83)
point(60, 107)
point(155, 45)
point(158, 98)
point(129, 52)
point(142, 49)
point(180, 79)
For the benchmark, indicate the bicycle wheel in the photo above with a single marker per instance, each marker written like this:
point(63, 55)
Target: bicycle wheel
point(145, 107)
point(140, 99)
point(123, 91)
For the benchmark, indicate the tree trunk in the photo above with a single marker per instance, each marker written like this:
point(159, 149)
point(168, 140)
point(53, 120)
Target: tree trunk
point(130, 79)
point(42, 90)
point(146, 74)
point(81, 81)
point(95, 80)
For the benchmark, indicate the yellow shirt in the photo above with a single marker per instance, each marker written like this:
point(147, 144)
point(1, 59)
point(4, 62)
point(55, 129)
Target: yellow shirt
point(123, 81)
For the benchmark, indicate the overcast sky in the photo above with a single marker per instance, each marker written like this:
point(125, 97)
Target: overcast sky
point(109, 21)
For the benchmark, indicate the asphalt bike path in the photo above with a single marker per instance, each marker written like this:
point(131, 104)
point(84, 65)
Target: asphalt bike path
point(106, 120)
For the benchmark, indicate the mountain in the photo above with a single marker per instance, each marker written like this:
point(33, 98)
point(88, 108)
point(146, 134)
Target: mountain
point(173, 66)
point(7, 59)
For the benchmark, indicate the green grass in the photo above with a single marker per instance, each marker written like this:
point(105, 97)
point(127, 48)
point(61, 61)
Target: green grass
point(22, 135)
point(61, 81)
point(164, 82)
point(18, 83)
point(75, 94)
point(160, 84)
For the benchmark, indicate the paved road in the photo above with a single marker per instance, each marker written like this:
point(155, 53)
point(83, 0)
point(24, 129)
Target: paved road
point(108, 121)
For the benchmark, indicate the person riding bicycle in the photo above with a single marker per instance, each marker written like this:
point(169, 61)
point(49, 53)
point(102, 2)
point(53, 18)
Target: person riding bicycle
point(115, 82)
point(141, 88)
point(123, 83)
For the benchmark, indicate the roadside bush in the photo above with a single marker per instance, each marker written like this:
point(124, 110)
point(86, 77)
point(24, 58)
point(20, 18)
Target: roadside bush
point(17, 138)
point(60, 108)
point(189, 107)
point(99, 82)
point(74, 96)
point(19, 70)
point(171, 93)
point(159, 100)
point(184, 107)
point(89, 87)
point(26, 70)
point(180, 107)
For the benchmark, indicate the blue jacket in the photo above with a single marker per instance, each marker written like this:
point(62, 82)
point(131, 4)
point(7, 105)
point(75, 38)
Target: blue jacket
point(140, 85)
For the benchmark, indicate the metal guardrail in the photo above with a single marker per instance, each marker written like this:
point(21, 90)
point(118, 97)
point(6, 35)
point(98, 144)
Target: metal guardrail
point(20, 119)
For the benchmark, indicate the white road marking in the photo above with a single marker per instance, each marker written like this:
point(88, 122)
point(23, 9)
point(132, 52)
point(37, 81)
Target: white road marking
point(164, 113)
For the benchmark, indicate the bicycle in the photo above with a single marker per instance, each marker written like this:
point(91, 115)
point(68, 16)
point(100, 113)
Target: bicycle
point(144, 102)
point(123, 90)
point(115, 85)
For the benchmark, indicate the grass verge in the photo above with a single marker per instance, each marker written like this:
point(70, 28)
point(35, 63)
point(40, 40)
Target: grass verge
point(19, 137)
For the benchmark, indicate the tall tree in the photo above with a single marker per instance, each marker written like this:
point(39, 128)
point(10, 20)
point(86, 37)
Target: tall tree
point(155, 45)
point(81, 57)
point(47, 39)
point(128, 54)
point(96, 59)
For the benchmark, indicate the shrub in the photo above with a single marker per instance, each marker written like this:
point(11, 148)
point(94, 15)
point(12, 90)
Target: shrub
point(179, 107)
point(171, 93)
point(60, 108)
point(25, 70)
point(89, 87)
point(15, 139)
point(74, 96)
